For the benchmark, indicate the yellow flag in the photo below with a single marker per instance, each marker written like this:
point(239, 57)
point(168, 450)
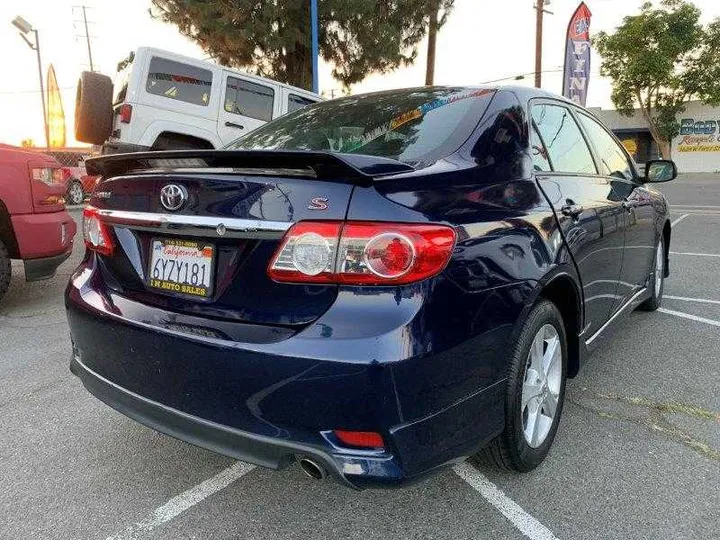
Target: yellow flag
point(56, 115)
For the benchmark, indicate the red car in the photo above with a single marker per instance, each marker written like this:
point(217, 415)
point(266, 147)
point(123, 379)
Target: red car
point(78, 184)
point(34, 224)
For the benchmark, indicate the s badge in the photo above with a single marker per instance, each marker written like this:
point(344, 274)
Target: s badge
point(318, 203)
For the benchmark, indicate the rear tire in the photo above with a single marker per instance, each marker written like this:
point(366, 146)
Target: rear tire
point(5, 269)
point(534, 393)
point(75, 194)
point(93, 108)
point(657, 284)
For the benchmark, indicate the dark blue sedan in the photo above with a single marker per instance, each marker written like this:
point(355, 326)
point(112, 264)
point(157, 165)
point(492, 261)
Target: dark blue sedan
point(376, 286)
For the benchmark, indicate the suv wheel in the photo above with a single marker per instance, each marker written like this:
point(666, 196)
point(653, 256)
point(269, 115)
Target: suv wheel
point(5, 269)
point(75, 193)
point(535, 391)
point(657, 283)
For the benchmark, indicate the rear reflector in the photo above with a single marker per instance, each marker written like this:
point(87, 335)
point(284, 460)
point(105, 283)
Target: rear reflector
point(125, 113)
point(362, 253)
point(360, 439)
point(96, 233)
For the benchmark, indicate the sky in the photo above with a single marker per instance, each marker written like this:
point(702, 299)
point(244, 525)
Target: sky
point(483, 40)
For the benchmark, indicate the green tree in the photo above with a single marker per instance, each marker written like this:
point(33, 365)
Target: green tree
point(658, 61)
point(272, 38)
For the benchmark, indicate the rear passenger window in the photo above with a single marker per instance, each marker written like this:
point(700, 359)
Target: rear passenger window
point(296, 102)
point(566, 148)
point(249, 99)
point(613, 159)
point(179, 81)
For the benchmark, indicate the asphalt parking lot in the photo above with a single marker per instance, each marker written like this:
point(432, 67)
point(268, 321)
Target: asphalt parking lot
point(637, 454)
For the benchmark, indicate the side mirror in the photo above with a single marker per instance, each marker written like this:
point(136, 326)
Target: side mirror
point(661, 170)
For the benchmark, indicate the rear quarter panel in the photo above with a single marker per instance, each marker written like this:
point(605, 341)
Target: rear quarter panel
point(508, 246)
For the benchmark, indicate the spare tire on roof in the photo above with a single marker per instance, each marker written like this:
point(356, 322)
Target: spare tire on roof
point(93, 108)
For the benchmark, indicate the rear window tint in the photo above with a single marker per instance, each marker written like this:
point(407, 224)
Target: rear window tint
point(413, 126)
point(175, 80)
point(296, 102)
point(249, 99)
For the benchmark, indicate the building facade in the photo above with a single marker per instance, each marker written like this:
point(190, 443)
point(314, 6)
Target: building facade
point(695, 150)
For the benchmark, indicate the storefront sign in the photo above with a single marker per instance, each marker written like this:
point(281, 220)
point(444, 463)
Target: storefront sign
point(699, 135)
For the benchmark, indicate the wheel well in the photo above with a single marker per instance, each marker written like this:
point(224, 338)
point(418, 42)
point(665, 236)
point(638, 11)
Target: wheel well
point(562, 292)
point(167, 140)
point(7, 235)
point(666, 237)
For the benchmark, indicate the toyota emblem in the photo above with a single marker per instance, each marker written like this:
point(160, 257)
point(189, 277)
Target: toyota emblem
point(173, 196)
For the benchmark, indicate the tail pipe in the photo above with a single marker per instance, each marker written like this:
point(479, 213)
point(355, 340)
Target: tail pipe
point(312, 468)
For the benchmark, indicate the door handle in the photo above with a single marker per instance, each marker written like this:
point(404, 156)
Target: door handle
point(572, 210)
point(233, 124)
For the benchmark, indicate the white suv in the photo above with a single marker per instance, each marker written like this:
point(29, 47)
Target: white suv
point(165, 101)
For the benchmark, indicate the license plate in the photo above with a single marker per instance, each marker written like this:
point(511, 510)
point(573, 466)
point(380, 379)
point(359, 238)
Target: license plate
point(181, 266)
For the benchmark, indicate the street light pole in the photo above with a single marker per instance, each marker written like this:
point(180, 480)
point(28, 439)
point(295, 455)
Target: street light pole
point(25, 28)
point(42, 90)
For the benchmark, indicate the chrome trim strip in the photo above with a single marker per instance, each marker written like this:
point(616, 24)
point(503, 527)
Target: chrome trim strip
point(196, 225)
point(615, 316)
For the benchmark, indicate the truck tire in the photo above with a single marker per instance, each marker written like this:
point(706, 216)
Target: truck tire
point(5, 269)
point(93, 108)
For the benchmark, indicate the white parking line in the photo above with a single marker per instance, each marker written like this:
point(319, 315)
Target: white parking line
point(688, 316)
point(698, 300)
point(678, 220)
point(521, 520)
point(177, 505)
point(694, 254)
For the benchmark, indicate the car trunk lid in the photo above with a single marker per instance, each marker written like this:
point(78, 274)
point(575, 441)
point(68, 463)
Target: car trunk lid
point(235, 209)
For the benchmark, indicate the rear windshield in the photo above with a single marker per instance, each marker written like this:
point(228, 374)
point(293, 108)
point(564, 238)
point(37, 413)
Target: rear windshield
point(176, 80)
point(413, 126)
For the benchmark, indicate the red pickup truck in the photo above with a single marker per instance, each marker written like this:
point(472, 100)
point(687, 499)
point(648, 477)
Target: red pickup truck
point(34, 225)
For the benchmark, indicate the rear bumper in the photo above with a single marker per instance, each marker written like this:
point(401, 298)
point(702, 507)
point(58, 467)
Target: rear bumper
point(267, 452)
point(44, 268)
point(267, 403)
point(44, 235)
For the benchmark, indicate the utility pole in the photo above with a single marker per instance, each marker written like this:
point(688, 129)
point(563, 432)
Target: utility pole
point(87, 34)
point(540, 7)
point(87, 37)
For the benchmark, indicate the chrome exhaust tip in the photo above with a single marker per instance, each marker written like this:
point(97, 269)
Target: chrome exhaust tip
point(311, 468)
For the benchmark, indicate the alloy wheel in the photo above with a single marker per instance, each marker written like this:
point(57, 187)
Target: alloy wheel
point(541, 387)
point(75, 193)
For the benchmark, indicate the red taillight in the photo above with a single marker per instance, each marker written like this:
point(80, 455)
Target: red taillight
point(362, 253)
point(96, 233)
point(360, 439)
point(125, 113)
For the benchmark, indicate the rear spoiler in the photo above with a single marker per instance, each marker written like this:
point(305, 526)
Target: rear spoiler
point(353, 168)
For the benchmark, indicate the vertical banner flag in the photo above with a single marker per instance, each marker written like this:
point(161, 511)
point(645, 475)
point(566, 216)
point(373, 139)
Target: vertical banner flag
point(56, 115)
point(577, 56)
